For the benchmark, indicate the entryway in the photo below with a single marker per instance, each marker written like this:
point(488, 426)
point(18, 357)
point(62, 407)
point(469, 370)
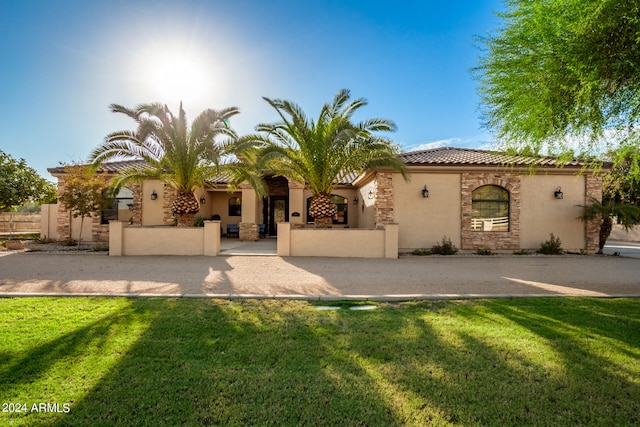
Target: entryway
point(262, 247)
point(275, 206)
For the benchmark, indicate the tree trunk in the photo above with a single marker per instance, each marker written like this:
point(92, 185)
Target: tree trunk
point(605, 231)
point(322, 209)
point(326, 222)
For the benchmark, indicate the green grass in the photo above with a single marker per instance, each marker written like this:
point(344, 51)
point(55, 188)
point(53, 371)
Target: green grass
point(138, 362)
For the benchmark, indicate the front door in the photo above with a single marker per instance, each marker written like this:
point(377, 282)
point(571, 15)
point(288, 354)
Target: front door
point(278, 212)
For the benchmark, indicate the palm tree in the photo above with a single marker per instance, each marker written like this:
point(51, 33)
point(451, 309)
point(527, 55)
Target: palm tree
point(183, 157)
point(626, 214)
point(318, 153)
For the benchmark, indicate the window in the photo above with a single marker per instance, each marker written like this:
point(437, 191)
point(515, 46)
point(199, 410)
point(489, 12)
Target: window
point(342, 205)
point(235, 206)
point(120, 208)
point(490, 209)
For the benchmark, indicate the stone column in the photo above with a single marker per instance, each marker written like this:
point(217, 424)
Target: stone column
point(593, 190)
point(63, 221)
point(383, 203)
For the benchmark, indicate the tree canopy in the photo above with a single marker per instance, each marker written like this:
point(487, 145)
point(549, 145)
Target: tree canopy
point(20, 184)
point(563, 76)
point(183, 156)
point(319, 152)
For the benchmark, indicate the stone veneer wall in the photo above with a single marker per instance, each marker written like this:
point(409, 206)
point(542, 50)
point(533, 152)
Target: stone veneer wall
point(593, 190)
point(63, 221)
point(168, 196)
point(384, 199)
point(490, 239)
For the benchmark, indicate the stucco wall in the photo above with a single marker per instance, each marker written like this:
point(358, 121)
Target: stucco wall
point(48, 221)
point(218, 204)
point(366, 206)
point(425, 221)
point(152, 210)
point(338, 242)
point(163, 240)
point(541, 213)
point(352, 210)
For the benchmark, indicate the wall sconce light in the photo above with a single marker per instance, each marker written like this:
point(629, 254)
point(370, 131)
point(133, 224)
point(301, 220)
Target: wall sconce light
point(154, 195)
point(558, 193)
point(203, 200)
point(425, 192)
point(370, 194)
point(355, 201)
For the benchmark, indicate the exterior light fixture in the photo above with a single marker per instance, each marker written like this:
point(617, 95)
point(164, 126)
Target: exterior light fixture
point(203, 200)
point(355, 201)
point(154, 195)
point(425, 192)
point(558, 193)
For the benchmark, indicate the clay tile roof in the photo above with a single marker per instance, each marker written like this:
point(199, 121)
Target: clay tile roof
point(108, 167)
point(451, 156)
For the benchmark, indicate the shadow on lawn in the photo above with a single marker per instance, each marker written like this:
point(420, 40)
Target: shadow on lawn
point(270, 362)
point(223, 363)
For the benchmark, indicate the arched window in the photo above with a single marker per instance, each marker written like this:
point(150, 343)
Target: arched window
point(235, 206)
point(342, 205)
point(120, 208)
point(490, 209)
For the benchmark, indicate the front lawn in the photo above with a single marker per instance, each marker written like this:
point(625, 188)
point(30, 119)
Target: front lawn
point(117, 361)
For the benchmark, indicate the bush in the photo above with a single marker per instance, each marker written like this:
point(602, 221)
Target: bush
point(481, 251)
point(553, 246)
point(446, 247)
point(421, 252)
point(521, 252)
point(69, 242)
point(199, 222)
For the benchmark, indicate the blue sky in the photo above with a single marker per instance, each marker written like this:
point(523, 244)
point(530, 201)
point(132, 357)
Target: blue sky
point(63, 62)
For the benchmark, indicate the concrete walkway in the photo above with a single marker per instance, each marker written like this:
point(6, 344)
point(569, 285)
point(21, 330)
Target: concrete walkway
point(318, 278)
point(263, 247)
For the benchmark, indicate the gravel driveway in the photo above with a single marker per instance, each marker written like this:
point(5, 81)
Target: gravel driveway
point(95, 273)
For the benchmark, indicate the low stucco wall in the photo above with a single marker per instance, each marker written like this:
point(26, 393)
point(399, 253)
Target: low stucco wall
point(620, 234)
point(49, 221)
point(338, 242)
point(134, 241)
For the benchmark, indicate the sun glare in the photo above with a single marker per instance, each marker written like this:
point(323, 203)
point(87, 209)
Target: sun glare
point(179, 78)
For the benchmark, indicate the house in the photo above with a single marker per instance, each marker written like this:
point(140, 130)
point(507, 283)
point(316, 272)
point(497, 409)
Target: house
point(477, 198)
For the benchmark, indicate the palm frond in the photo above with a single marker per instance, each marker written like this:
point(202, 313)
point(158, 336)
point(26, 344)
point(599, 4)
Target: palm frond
point(318, 153)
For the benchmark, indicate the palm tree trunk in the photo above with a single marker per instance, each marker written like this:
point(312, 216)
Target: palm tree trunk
point(185, 207)
point(322, 210)
point(605, 231)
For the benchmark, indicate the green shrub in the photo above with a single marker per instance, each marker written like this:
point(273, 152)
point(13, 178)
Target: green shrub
point(553, 246)
point(481, 251)
point(446, 247)
point(199, 222)
point(421, 252)
point(521, 252)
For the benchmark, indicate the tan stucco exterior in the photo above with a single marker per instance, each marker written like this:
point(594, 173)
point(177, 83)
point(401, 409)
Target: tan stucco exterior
point(425, 221)
point(541, 213)
point(381, 197)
